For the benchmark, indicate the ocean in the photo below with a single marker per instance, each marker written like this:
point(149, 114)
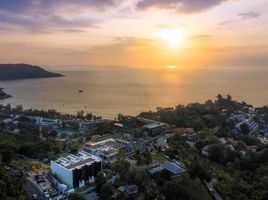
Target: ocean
point(107, 91)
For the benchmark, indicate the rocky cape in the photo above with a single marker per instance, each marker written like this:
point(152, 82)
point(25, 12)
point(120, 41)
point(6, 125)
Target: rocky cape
point(24, 71)
point(3, 95)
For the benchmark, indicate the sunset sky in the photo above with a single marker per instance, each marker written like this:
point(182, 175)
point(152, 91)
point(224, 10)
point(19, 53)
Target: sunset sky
point(135, 32)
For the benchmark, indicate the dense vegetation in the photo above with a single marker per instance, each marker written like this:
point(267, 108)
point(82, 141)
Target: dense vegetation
point(197, 115)
point(10, 186)
point(21, 149)
point(235, 176)
point(27, 143)
point(161, 186)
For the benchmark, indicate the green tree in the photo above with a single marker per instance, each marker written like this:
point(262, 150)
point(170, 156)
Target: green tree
point(88, 116)
point(244, 128)
point(217, 153)
point(7, 155)
point(73, 149)
point(106, 191)
point(75, 196)
point(121, 166)
point(100, 181)
point(80, 114)
point(199, 169)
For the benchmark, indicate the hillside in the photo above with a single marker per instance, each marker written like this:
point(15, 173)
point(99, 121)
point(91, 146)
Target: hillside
point(24, 71)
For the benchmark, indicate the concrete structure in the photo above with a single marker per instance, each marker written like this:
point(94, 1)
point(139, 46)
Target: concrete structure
point(76, 170)
point(155, 128)
point(145, 120)
point(222, 140)
point(161, 142)
point(63, 188)
point(263, 140)
point(192, 139)
point(85, 125)
point(138, 123)
point(107, 150)
point(175, 168)
point(129, 189)
point(252, 125)
point(205, 150)
point(237, 118)
point(46, 122)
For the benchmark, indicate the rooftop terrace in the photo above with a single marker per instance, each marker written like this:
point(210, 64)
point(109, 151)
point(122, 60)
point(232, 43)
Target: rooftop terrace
point(81, 158)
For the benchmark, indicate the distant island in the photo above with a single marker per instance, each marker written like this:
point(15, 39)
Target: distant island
point(3, 95)
point(24, 71)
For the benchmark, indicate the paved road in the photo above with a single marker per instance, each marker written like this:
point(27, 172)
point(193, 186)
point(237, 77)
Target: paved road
point(91, 196)
point(87, 191)
point(215, 193)
point(31, 188)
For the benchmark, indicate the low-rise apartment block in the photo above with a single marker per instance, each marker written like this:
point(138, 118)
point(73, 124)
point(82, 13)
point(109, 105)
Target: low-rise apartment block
point(76, 170)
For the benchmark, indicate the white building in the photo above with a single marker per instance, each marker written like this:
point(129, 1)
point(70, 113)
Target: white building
point(76, 170)
point(107, 150)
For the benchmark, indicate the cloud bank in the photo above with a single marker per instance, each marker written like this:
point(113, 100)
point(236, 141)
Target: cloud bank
point(43, 15)
point(184, 6)
point(241, 17)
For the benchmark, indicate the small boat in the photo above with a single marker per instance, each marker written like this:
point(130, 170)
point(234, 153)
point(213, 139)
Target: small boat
point(80, 91)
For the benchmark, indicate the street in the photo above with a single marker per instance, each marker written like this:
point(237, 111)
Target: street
point(31, 188)
point(213, 191)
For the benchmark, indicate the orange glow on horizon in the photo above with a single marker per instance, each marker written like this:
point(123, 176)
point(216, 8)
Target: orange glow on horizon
point(171, 66)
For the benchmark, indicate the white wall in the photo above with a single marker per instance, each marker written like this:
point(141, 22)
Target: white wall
point(65, 175)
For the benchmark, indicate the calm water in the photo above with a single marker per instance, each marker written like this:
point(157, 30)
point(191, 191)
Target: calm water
point(108, 91)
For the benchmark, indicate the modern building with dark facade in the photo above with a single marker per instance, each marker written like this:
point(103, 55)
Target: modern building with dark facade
point(156, 128)
point(77, 170)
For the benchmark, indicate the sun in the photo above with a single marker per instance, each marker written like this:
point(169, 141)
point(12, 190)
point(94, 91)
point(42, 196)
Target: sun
point(173, 37)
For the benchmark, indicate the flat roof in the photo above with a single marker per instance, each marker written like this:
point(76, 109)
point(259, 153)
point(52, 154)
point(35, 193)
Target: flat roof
point(154, 125)
point(105, 145)
point(108, 147)
point(172, 167)
point(80, 163)
point(155, 170)
point(72, 161)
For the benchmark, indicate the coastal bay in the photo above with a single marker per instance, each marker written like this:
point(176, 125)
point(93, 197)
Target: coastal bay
point(137, 90)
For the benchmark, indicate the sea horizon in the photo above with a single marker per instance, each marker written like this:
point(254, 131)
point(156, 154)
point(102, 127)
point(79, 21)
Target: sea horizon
point(138, 89)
